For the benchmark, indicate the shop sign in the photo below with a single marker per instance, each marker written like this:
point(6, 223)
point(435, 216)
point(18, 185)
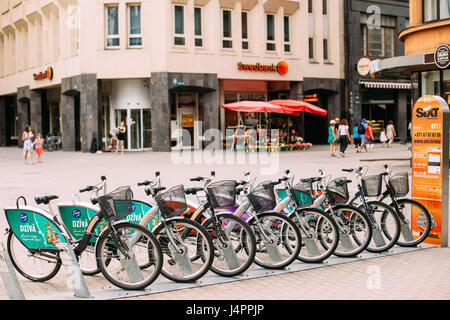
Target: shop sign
point(187, 120)
point(47, 74)
point(430, 166)
point(442, 56)
point(281, 67)
point(364, 66)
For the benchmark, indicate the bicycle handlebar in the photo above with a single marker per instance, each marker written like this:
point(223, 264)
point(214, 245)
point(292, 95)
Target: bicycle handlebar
point(88, 188)
point(144, 183)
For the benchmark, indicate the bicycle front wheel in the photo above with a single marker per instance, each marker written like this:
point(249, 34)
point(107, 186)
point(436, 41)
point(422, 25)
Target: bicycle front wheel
point(121, 249)
point(412, 211)
point(187, 248)
point(234, 244)
point(355, 231)
point(35, 265)
point(278, 240)
point(320, 236)
point(386, 229)
point(88, 262)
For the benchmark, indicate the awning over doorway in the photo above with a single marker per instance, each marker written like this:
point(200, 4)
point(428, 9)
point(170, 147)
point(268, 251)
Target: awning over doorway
point(300, 106)
point(258, 106)
point(386, 85)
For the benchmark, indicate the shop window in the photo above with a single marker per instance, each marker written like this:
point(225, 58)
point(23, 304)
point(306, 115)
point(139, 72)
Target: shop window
point(378, 40)
point(112, 27)
point(227, 41)
point(198, 39)
point(434, 10)
point(134, 27)
point(287, 35)
point(270, 35)
point(179, 38)
point(430, 83)
point(244, 24)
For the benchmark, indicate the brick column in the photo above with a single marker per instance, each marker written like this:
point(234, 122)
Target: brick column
point(23, 115)
point(36, 111)
point(159, 95)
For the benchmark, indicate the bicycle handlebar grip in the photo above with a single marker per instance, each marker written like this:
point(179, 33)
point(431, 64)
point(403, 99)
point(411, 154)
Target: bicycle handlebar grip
point(103, 178)
point(347, 170)
point(198, 179)
point(157, 173)
point(86, 189)
point(143, 183)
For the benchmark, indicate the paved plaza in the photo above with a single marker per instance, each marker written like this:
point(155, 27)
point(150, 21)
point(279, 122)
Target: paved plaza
point(420, 274)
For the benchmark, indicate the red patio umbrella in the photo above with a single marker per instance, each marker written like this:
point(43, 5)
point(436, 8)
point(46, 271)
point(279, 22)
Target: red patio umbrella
point(259, 106)
point(299, 106)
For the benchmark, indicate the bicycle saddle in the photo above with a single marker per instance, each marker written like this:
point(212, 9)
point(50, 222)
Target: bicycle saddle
point(314, 179)
point(193, 190)
point(45, 199)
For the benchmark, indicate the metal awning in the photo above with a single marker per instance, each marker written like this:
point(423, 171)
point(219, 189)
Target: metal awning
point(387, 85)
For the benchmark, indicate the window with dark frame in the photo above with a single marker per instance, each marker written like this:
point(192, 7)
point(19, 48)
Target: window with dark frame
point(325, 7)
point(435, 10)
point(227, 41)
point(379, 42)
point(310, 6)
point(311, 48)
point(244, 25)
point(325, 50)
point(270, 34)
point(179, 38)
point(198, 34)
point(287, 38)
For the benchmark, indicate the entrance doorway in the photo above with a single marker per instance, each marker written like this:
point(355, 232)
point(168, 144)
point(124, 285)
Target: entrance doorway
point(186, 119)
point(138, 123)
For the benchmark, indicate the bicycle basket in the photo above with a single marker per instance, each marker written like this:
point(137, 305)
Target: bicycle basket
point(303, 193)
point(399, 184)
point(337, 190)
point(262, 198)
point(371, 185)
point(222, 194)
point(172, 202)
point(116, 204)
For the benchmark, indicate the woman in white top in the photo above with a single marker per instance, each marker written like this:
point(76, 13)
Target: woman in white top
point(344, 136)
point(27, 135)
point(390, 132)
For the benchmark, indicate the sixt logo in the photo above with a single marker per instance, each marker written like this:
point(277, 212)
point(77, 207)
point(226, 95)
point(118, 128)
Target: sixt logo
point(76, 213)
point(428, 112)
point(23, 217)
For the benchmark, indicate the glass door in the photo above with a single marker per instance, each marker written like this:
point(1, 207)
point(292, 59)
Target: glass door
point(122, 115)
point(139, 133)
point(147, 128)
point(134, 129)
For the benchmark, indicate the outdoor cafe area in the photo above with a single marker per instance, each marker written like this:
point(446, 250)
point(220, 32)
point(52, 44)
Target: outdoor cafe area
point(256, 120)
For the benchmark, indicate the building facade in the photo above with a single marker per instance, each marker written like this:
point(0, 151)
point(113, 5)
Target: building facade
point(372, 29)
point(80, 67)
point(427, 51)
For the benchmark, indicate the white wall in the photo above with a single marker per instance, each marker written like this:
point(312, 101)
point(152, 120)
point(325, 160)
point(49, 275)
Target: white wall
point(130, 93)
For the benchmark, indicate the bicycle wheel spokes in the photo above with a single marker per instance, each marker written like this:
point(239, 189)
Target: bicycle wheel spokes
point(87, 261)
point(119, 258)
point(234, 245)
point(278, 240)
point(319, 234)
point(386, 229)
point(354, 231)
point(187, 250)
point(33, 265)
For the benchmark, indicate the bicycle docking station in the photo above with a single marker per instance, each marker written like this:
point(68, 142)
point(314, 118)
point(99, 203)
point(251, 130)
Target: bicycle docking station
point(9, 277)
point(75, 277)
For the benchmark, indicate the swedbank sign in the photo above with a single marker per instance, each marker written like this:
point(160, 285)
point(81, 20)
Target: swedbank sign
point(281, 67)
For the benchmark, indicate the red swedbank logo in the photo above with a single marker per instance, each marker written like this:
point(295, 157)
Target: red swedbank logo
point(47, 74)
point(281, 67)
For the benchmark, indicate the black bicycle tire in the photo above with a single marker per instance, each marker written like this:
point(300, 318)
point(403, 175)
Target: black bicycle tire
point(206, 236)
point(366, 220)
point(23, 273)
point(397, 222)
point(428, 218)
point(155, 244)
point(251, 255)
point(297, 232)
point(331, 220)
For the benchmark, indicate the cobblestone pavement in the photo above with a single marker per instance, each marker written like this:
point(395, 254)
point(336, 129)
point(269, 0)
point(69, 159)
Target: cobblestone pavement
point(63, 173)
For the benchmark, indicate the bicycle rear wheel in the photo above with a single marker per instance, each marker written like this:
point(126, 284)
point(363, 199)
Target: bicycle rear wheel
point(278, 240)
point(121, 248)
point(319, 232)
point(412, 210)
point(88, 262)
point(35, 265)
point(387, 229)
point(234, 244)
point(355, 231)
point(187, 248)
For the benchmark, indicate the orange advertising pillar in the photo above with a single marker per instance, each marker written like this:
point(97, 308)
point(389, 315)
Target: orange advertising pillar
point(430, 161)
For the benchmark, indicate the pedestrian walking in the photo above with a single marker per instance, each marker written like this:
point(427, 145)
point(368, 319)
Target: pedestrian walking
point(336, 130)
point(383, 137)
point(38, 142)
point(332, 138)
point(362, 133)
point(27, 137)
point(121, 134)
point(369, 137)
point(344, 136)
point(357, 138)
point(390, 133)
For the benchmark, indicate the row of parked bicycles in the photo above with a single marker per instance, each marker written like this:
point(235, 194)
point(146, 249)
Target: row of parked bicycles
point(223, 226)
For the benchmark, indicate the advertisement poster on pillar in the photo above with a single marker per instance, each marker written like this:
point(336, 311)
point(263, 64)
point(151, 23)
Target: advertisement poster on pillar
point(429, 152)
